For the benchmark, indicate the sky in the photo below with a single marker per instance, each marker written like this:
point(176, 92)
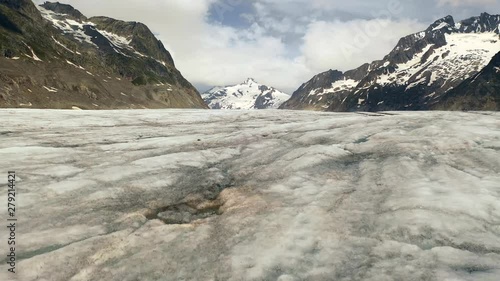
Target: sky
point(279, 43)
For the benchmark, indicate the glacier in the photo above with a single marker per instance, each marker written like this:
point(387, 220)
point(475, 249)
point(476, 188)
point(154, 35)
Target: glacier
point(253, 195)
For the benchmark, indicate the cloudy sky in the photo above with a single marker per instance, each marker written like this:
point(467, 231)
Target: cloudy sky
point(281, 43)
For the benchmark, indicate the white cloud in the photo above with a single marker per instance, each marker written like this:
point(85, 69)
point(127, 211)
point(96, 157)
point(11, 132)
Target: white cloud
point(346, 45)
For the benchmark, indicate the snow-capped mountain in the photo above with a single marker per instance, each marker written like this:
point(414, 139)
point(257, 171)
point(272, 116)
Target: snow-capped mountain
point(415, 75)
point(247, 95)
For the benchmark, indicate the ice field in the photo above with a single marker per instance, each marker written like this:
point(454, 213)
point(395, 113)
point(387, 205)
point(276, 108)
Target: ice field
point(264, 195)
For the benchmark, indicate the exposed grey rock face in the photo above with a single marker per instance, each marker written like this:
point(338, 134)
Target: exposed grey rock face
point(415, 75)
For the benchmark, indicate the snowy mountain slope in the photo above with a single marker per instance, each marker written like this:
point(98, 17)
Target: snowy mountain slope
point(91, 63)
point(481, 91)
point(247, 95)
point(181, 195)
point(414, 76)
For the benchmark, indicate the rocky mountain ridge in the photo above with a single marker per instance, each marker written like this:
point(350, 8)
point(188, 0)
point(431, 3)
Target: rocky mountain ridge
point(415, 75)
point(52, 56)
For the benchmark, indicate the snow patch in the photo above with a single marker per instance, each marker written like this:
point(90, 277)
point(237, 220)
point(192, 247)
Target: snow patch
point(77, 66)
point(64, 46)
point(51, 89)
point(441, 26)
point(33, 55)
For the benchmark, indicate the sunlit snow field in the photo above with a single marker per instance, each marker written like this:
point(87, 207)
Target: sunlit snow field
point(262, 195)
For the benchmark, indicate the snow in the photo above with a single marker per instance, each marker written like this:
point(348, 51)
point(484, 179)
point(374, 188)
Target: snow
point(467, 54)
point(50, 89)
point(441, 68)
point(404, 70)
point(77, 66)
point(117, 40)
point(433, 79)
point(309, 196)
point(67, 26)
point(463, 56)
point(341, 85)
point(416, 83)
point(76, 29)
point(33, 55)
point(420, 35)
point(243, 96)
point(441, 26)
point(64, 46)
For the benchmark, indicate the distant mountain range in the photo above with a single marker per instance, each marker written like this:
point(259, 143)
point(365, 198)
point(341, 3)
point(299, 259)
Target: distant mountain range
point(52, 56)
point(247, 95)
point(449, 66)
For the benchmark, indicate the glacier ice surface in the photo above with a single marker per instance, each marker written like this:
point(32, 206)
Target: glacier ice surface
point(264, 195)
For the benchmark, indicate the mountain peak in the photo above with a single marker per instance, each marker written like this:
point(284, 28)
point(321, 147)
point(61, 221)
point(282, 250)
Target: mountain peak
point(250, 81)
point(248, 95)
point(483, 23)
point(24, 6)
point(441, 23)
point(448, 19)
point(66, 9)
